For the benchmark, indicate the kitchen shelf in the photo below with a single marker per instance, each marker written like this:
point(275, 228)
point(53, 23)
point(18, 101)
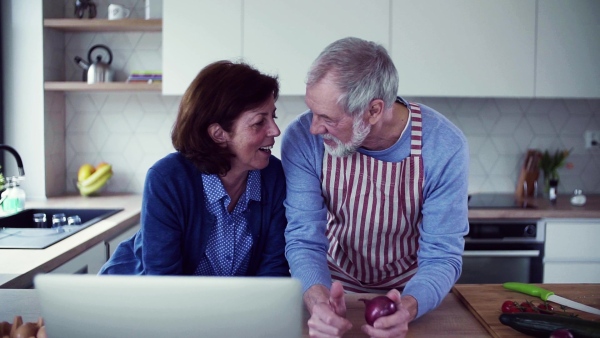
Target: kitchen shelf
point(106, 86)
point(104, 25)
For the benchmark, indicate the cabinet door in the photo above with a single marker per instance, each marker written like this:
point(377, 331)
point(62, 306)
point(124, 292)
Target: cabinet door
point(284, 37)
point(568, 56)
point(196, 33)
point(88, 262)
point(571, 251)
point(555, 272)
point(465, 48)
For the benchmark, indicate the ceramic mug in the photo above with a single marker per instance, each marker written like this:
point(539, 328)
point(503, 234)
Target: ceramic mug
point(116, 12)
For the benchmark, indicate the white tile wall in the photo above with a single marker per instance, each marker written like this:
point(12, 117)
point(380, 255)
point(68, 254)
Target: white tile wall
point(132, 130)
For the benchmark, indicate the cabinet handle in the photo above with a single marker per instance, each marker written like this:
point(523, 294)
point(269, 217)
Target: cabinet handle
point(501, 253)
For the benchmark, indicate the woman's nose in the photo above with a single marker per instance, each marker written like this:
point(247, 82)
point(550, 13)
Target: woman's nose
point(274, 129)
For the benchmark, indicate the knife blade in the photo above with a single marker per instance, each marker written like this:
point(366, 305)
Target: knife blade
point(547, 295)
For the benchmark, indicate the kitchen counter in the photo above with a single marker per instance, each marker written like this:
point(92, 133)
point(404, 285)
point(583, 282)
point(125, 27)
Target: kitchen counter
point(471, 310)
point(20, 265)
point(450, 319)
point(544, 209)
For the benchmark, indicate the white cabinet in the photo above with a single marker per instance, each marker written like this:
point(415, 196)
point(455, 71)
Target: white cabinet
point(571, 251)
point(196, 33)
point(464, 47)
point(92, 260)
point(568, 56)
point(89, 262)
point(284, 37)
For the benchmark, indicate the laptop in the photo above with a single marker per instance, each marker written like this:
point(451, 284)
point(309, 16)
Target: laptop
point(169, 306)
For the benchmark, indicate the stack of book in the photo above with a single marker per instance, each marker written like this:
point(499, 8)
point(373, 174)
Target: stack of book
point(145, 76)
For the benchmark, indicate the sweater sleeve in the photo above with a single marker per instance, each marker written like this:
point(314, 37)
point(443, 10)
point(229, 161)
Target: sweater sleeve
point(306, 242)
point(445, 216)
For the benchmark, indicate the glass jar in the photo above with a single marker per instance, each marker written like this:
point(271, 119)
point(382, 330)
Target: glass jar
point(578, 198)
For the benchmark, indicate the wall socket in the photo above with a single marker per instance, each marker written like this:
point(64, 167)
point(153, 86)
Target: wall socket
point(592, 139)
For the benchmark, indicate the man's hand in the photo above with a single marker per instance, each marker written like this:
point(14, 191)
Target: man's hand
point(395, 325)
point(328, 311)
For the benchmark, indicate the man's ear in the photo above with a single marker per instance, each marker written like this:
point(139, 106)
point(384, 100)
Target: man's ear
point(217, 134)
point(375, 111)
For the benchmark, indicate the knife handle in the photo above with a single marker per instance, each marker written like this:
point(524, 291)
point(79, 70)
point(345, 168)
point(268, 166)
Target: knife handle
point(529, 289)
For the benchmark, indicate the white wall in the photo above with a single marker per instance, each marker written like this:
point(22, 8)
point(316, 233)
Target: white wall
point(22, 44)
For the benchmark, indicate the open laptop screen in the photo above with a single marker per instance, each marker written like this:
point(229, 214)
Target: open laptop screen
point(169, 306)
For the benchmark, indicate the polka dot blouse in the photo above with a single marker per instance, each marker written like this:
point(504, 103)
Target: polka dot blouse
point(230, 242)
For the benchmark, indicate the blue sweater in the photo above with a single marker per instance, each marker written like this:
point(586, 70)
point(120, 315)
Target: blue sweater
point(176, 224)
point(445, 156)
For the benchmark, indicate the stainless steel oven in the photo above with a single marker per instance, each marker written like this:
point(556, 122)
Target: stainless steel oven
point(498, 251)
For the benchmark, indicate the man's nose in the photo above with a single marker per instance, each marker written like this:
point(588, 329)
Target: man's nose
point(316, 128)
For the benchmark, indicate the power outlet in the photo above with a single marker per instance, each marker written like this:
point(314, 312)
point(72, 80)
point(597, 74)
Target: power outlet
point(592, 139)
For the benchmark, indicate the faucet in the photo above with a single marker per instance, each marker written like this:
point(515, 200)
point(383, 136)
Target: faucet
point(17, 157)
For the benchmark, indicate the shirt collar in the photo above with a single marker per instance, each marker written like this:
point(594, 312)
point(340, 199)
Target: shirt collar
point(215, 191)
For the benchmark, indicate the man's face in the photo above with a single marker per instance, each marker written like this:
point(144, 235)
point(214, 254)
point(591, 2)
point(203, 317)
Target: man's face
point(342, 134)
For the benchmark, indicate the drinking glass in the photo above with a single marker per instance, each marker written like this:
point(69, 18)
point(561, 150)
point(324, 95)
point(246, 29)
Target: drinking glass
point(39, 220)
point(59, 221)
point(74, 220)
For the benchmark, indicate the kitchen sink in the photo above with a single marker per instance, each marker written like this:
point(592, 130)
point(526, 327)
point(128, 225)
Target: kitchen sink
point(19, 231)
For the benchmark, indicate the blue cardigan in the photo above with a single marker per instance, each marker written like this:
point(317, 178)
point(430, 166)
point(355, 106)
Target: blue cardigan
point(176, 224)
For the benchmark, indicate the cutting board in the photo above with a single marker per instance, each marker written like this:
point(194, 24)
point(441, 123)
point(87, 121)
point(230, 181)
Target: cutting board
point(485, 300)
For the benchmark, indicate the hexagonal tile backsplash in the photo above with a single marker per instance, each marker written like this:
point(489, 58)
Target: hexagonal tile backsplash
point(132, 130)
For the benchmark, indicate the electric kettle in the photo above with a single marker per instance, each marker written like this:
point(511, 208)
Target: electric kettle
point(96, 69)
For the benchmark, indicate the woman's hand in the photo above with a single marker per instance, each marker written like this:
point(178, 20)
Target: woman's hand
point(395, 325)
point(328, 311)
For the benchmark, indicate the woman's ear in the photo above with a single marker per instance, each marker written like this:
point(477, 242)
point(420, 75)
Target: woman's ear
point(218, 135)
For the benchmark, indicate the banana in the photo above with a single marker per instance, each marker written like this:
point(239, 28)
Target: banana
point(85, 171)
point(96, 176)
point(93, 187)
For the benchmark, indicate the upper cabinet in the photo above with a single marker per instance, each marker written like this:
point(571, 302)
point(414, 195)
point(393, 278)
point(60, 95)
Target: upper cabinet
point(568, 56)
point(284, 37)
point(196, 33)
point(464, 47)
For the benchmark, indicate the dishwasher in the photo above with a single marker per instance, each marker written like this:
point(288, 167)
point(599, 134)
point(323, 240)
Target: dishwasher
point(499, 251)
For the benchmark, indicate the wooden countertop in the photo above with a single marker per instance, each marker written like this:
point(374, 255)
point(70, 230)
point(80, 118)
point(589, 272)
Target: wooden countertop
point(544, 209)
point(450, 319)
point(20, 265)
point(485, 301)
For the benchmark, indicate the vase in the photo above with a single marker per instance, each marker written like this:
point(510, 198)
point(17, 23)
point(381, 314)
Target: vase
point(551, 185)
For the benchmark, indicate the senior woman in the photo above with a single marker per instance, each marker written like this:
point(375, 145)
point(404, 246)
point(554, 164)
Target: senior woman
point(215, 206)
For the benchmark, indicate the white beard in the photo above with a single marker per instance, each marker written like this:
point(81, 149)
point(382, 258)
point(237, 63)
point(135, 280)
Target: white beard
point(360, 131)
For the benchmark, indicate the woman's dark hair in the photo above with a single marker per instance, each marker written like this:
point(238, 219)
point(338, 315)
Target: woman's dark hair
point(220, 93)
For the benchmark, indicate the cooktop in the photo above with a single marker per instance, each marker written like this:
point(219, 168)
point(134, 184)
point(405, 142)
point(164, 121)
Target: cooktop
point(498, 201)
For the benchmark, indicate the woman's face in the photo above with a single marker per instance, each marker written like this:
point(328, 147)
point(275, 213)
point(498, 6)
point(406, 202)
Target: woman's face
point(252, 137)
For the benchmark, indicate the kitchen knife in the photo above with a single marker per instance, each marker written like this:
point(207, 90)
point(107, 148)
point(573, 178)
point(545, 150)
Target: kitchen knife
point(547, 295)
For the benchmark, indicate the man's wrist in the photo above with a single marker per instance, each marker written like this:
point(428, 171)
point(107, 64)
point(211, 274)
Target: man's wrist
point(410, 304)
point(316, 294)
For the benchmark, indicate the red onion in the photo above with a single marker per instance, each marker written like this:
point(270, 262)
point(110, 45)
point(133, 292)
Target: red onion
point(561, 333)
point(379, 306)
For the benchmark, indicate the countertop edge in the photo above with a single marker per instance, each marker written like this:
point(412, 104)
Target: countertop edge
point(24, 264)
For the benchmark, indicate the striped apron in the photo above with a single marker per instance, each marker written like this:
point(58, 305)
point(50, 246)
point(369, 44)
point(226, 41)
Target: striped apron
point(374, 209)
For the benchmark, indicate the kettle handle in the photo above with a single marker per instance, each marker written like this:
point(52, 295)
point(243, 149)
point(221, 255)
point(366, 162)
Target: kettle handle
point(103, 47)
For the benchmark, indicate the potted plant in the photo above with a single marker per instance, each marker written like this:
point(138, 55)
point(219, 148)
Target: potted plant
point(550, 163)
